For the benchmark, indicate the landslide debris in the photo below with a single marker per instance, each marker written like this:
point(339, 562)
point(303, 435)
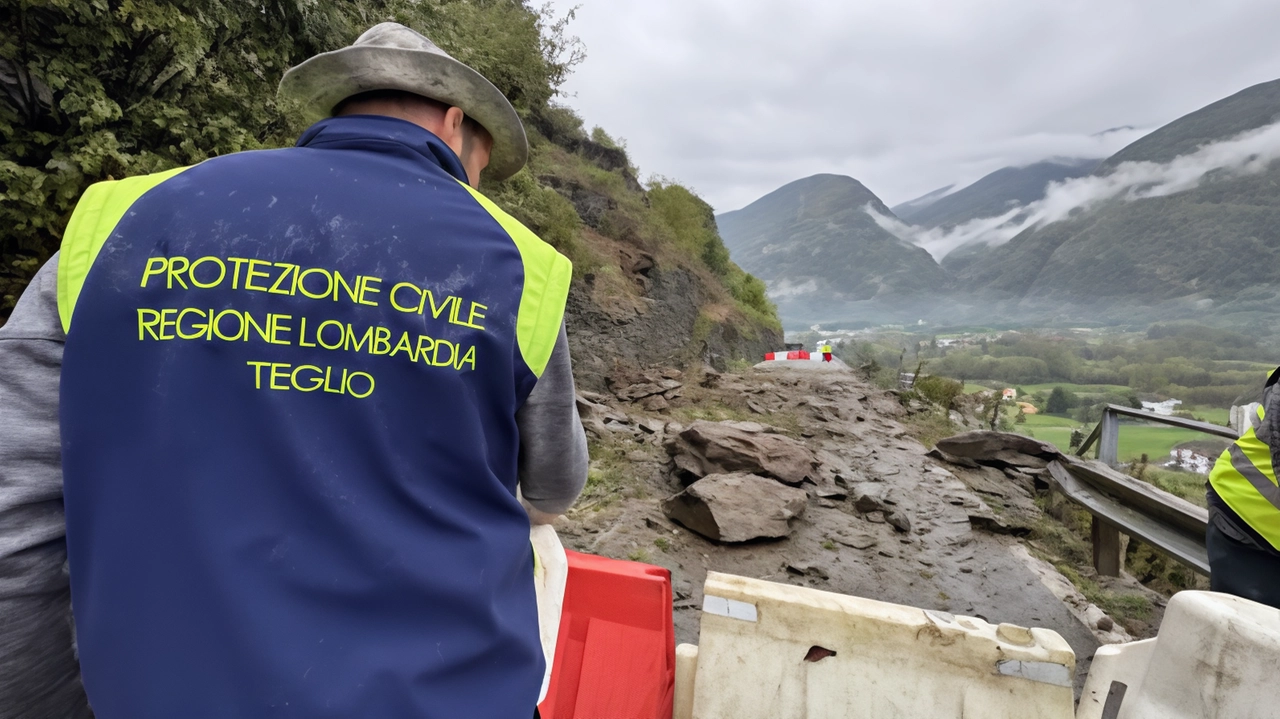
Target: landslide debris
point(865, 512)
point(737, 507)
point(711, 447)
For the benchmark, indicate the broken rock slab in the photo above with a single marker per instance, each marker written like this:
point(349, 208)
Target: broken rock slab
point(938, 454)
point(871, 497)
point(1000, 448)
point(706, 448)
point(737, 507)
point(899, 521)
point(991, 523)
point(855, 540)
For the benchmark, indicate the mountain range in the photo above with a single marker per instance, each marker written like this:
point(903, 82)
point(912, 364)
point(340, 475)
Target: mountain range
point(994, 194)
point(1184, 222)
point(814, 237)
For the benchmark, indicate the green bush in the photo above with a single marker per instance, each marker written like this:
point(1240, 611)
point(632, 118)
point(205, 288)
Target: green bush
point(939, 390)
point(98, 90)
point(1060, 401)
point(547, 213)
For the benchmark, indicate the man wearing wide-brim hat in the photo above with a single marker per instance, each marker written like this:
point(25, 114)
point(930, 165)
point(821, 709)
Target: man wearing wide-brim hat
point(297, 395)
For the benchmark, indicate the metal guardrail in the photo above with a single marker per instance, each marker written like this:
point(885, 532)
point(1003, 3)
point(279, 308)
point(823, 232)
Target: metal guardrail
point(1120, 504)
point(1107, 432)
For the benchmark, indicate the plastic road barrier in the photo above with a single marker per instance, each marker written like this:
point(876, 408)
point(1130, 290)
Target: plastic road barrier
point(615, 654)
point(1216, 656)
point(773, 651)
point(792, 355)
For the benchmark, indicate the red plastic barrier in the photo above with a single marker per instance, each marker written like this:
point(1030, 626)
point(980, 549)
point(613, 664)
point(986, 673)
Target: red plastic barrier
point(768, 356)
point(616, 653)
point(798, 355)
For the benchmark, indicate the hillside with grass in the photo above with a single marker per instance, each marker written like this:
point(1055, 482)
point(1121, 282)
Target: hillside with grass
point(94, 92)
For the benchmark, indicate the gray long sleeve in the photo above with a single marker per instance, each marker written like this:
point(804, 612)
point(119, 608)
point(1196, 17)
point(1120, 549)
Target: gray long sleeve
point(553, 445)
point(39, 674)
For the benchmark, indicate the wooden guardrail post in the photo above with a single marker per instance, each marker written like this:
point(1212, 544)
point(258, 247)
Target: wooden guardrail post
point(1108, 550)
point(1109, 440)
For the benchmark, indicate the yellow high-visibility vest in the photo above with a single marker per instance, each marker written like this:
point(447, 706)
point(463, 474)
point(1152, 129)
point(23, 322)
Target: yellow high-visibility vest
point(1245, 479)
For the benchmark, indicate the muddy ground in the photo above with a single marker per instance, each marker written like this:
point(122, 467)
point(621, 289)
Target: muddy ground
point(860, 434)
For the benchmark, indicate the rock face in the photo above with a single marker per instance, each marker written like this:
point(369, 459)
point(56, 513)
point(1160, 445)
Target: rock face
point(999, 448)
point(737, 507)
point(1005, 469)
point(706, 448)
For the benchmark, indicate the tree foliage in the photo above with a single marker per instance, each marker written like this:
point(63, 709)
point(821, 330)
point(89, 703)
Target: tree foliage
point(103, 89)
point(1060, 401)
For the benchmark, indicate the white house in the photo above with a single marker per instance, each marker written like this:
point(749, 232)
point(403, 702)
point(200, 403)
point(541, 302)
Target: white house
point(1163, 408)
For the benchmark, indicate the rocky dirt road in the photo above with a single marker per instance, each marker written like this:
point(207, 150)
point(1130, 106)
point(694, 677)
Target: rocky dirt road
point(881, 521)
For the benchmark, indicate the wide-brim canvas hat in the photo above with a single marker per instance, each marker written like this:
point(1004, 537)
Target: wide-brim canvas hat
point(390, 56)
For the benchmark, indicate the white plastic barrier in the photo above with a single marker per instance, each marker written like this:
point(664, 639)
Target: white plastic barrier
point(773, 651)
point(1216, 656)
point(1123, 664)
point(686, 669)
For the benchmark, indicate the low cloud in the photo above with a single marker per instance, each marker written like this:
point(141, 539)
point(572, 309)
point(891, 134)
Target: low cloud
point(1248, 153)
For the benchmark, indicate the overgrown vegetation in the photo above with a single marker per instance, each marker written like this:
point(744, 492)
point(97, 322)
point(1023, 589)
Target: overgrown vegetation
point(939, 390)
point(691, 223)
point(99, 90)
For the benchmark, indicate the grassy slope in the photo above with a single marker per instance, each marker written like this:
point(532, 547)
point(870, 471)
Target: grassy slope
point(604, 221)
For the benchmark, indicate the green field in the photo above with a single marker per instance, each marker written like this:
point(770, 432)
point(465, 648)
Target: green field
point(1135, 439)
point(1049, 420)
point(1213, 415)
point(1050, 428)
point(1077, 388)
point(1155, 442)
point(971, 388)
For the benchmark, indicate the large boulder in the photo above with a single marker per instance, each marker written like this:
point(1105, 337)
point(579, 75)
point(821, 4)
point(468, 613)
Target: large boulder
point(706, 448)
point(999, 448)
point(737, 507)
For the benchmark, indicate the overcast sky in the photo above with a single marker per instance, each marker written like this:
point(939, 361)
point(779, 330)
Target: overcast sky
point(738, 97)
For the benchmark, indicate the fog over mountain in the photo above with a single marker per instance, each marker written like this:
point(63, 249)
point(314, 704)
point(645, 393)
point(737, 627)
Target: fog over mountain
point(1181, 223)
point(908, 209)
point(1249, 153)
point(996, 193)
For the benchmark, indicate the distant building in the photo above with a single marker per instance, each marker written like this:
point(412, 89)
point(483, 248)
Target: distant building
point(1190, 461)
point(1010, 394)
point(949, 343)
point(1162, 408)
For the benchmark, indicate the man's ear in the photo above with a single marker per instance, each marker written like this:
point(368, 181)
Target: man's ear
point(453, 118)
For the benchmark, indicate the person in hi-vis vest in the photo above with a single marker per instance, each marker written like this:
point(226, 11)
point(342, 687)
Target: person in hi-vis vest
point(290, 400)
point(1244, 507)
